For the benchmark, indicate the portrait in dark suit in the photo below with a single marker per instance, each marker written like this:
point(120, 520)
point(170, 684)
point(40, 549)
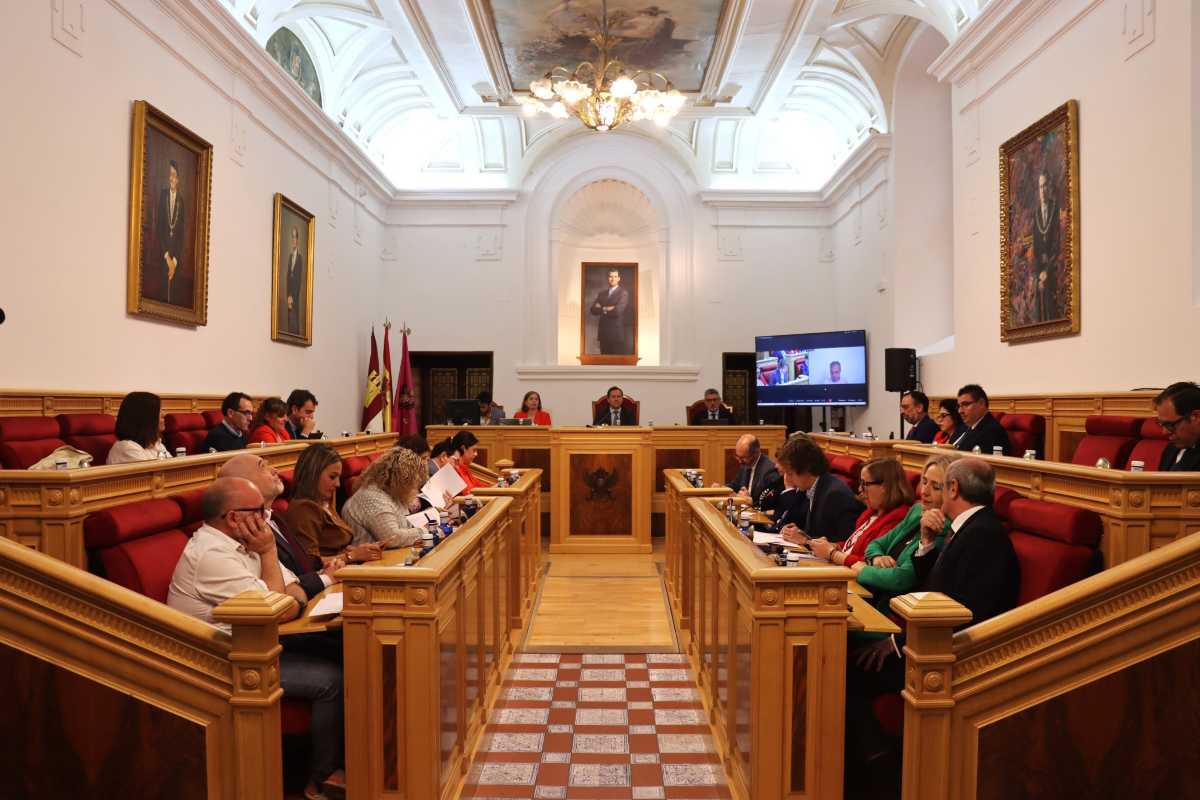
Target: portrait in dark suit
point(291, 301)
point(609, 324)
point(168, 253)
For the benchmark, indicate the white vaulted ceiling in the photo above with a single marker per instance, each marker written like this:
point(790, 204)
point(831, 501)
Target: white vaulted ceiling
point(791, 88)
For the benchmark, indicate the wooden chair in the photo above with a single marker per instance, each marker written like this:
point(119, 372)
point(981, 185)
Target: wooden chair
point(697, 407)
point(627, 403)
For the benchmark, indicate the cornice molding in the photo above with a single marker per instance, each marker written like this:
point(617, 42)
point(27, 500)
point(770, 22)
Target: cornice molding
point(216, 29)
point(679, 374)
point(729, 36)
point(749, 198)
point(483, 198)
point(872, 151)
point(489, 42)
point(424, 34)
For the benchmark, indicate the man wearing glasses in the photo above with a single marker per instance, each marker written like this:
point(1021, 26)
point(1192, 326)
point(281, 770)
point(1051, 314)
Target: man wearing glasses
point(983, 430)
point(230, 434)
point(1178, 408)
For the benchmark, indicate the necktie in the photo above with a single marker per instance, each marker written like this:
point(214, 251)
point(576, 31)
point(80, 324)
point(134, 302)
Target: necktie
point(616, 420)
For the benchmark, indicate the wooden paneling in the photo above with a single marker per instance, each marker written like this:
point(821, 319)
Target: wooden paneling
point(73, 737)
point(479, 379)
point(534, 458)
point(51, 402)
point(45, 509)
point(601, 492)
point(1124, 735)
point(731, 465)
point(676, 458)
point(443, 386)
point(799, 727)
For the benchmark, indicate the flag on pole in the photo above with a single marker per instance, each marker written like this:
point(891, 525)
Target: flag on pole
point(386, 384)
point(404, 410)
point(373, 397)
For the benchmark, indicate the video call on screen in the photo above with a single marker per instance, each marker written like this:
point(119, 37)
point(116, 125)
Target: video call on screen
point(811, 368)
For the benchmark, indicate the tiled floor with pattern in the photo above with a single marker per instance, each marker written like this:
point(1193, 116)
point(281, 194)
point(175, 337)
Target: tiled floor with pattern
point(598, 727)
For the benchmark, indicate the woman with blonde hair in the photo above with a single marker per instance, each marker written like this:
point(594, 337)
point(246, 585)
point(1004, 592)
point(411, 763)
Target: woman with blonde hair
point(312, 513)
point(378, 511)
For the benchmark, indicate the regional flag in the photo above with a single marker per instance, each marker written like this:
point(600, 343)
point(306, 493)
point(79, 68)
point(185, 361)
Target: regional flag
point(373, 397)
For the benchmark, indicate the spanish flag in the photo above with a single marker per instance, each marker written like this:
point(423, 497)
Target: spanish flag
point(373, 397)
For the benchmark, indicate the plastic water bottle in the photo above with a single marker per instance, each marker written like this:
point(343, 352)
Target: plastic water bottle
point(469, 507)
point(745, 526)
point(998, 450)
point(1137, 466)
point(180, 452)
point(977, 450)
point(1031, 455)
point(444, 523)
point(432, 532)
point(427, 543)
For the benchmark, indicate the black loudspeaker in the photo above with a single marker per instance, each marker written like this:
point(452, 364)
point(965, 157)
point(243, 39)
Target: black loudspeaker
point(900, 369)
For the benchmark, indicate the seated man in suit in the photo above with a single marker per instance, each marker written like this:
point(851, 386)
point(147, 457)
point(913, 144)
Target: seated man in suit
point(713, 410)
point(233, 552)
point(1178, 408)
point(833, 509)
point(983, 430)
point(230, 433)
point(301, 422)
point(914, 407)
point(976, 567)
point(489, 413)
point(756, 473)
point(614, 412)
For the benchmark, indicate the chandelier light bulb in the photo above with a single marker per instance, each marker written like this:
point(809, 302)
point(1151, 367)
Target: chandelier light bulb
point(662, 117)
point(559, 111)
point(623, 87)
point(541, 89)
point(674, 100)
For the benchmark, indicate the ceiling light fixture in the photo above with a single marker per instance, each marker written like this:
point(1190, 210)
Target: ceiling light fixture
point(603, 94)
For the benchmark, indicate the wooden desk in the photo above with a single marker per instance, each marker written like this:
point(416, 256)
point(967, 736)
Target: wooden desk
point(583, 520)
point(307, 623)
point(865, 617)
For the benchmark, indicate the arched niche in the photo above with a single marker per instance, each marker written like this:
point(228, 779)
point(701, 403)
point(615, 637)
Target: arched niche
point(595, 198)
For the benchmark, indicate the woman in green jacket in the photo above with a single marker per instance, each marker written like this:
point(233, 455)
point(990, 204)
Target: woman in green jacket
point(887, 568)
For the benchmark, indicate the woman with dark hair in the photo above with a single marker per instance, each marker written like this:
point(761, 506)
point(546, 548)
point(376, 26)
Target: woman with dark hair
point(888, 495)
point(139, 430)
point(312, 512)
point(269, 425)
point(463, 451)
point(531, 408)
point(950, 422)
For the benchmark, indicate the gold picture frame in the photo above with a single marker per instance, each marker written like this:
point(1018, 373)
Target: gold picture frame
point(608, 320)
point(1039, 229)
point(170, 195)
point(292, 254)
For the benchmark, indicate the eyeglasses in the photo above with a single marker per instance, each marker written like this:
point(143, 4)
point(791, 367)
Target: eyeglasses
point(941, 417)
point(262, 511)
point(966, 403)
point(248, 412)
point(1169, 425)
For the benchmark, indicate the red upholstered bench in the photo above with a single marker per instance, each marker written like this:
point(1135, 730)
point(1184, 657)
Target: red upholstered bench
point(24, 441)
point(1149, 448)
point(1055, 544)
point(1111, 438)
point(138, 544)
point(352, 467)
point(92, 433)
point(185, 430)
point(914, 478)
point(846, 469)
point(212, 417)
point(1025, 432)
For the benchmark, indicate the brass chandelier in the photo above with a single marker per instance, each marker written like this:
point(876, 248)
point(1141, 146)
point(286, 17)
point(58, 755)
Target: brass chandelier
point(603, 94)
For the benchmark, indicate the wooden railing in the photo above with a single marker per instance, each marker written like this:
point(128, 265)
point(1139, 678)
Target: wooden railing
point(525, 542)
point(51, 402)
point(768, 646)
point(426, 647)
point(45, 509)
point(1087, 692)
point(678, 557)
point(109, 693)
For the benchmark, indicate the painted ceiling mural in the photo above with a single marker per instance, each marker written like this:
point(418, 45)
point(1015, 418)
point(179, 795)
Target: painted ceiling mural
point(674, 37)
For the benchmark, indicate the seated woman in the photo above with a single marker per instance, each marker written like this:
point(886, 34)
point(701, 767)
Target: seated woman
point(378, 511)
point(950, 422)
point(462, 454)
point(439, 456)
point(885, 489)
point(887, 567)
point(270, 423)
point(531, 408)
point(139, 430)
point(312, 512)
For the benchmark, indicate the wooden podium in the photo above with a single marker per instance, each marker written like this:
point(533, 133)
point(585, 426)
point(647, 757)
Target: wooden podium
point(601, 485)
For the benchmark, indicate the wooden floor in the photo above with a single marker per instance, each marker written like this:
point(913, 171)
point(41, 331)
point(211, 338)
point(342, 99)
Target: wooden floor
point(602, 603)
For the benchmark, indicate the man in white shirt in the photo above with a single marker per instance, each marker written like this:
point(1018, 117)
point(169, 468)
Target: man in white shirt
point(233, 552)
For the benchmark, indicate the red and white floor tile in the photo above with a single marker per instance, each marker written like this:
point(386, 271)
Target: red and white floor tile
point(598, 727)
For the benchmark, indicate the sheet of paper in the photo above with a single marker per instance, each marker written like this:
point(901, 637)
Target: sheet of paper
point(423, 518)
point(329, 604)
point(761, 537)
point(445, 481)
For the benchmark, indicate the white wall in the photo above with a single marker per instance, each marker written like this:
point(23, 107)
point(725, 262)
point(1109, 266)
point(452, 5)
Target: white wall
point(1137, 183)
point(65, 216)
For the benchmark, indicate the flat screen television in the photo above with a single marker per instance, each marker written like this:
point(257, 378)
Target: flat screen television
point(811, 369)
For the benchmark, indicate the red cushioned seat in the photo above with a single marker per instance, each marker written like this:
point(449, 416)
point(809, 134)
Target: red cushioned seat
point(915, 479)
point(1055, 545)
point(999, 415)
point(1002, 501)
point(1149, 448)
point(191, 509)
point(288, 476)
point(91, 433)
point(352, 467)
point(139, 544)
point(1025, 432)
point(847, 468)
point(889, 711)
point(186, 431)
point(1111, 438)
point(295, 716)
point(212, 417)
point(24, 441)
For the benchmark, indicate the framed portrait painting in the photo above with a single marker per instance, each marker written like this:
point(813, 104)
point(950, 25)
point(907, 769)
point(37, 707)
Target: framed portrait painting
point(170, 186)
point(1039, 229)
point(608, 328)
point(294, 238)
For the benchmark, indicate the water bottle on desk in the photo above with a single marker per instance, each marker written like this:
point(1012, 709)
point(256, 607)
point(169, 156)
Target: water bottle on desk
point(444, 523)
point(745, 526)
point(432, 533)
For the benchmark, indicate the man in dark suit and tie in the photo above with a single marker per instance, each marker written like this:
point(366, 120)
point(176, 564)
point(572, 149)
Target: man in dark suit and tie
point(614, 412)
point(713, 412)
point(610, 306)
point(833, 510)
point(983, 430)
point(230, 433)
point(168, 228)
point(756, 471)
point(914, 407)
point(1178, 408)
point(295, 283)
